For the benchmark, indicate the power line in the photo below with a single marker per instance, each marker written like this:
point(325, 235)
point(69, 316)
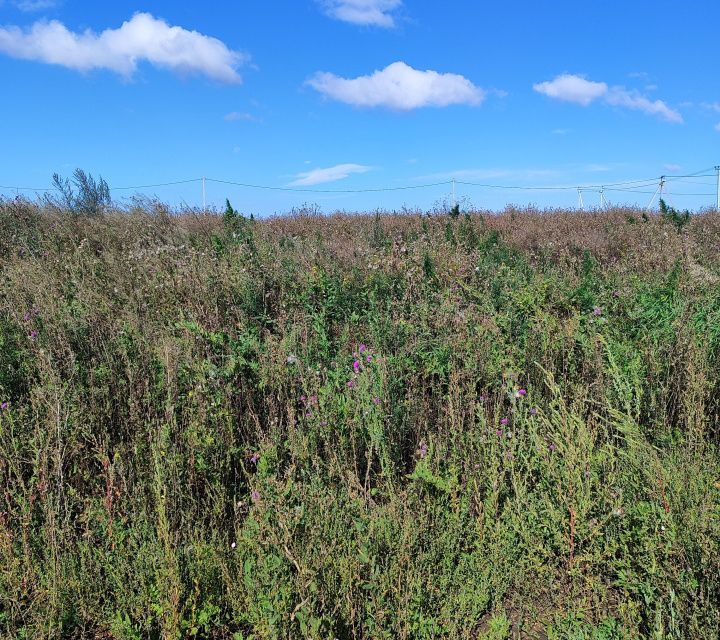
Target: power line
point(297, 190)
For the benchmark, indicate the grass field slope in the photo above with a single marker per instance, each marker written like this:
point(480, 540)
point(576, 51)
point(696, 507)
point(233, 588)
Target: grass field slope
point(359, 426)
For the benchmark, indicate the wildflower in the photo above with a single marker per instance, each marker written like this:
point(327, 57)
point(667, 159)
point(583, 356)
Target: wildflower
point(26, 317)
point(422, 450)
point(504, 421)
point(308, 414)
point(33, 334)
point(597, 311)
point(233, 545)
point(351, 384)
point(362, 348)
point(376, 400)
point(498, 432)
point(302, 398)
point(481, 398)
point(356, 366)
point(368, 359)
point(313, 399)
point(4, 405)
point(254, 458)
point(533, 411)
point(520, 393)
point(255, 495)
point(552, 447)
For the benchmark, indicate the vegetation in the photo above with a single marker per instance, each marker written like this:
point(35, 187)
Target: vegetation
point(371, 426)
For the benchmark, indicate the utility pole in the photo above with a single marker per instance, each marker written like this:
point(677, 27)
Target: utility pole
point(603, 202)
point(580, 200)
point(658, 190)
point(203, 189)
point(717, 191)
point(453, 193)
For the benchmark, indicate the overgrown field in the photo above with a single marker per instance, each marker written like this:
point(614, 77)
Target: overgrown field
point(394, 426)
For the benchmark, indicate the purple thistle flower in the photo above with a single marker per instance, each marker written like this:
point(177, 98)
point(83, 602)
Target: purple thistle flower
point(255, 495)
point(504, 421)
point(33, 334)
point(356, 366)
point(376, 400)
point(254, 458)
point(498, 432)
point(422, 450)
point(368, 359)
point(522, 392)
point(597, 311)
point(552, 447)
point(351, 384)
point(313, 399)
point(481, 398)
point(4, 405)
point(26, 317)
point(533, 411)
point(302, 398)
point(363, 347)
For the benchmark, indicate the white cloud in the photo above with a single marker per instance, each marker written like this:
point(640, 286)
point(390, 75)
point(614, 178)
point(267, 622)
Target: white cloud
point(717, 127)
point(573, 88)
point(35, 5)
point(620, 97)
point(673, 168)
point(399, 86)
point(377, 13)
point(711, 106)
point(239, 115)
point(142, 38)
point(330, 174)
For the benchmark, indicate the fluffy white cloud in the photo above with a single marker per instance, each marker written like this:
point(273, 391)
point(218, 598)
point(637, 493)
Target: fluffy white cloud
point(143, 37)
point(573, 88)
point(377, 13)
point(330, 174)
point(399, 86)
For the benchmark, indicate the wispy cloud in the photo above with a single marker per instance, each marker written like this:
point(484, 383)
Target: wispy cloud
point(35, 5)
point(574, 88)
point(142, 38)
point(399, 86)
point(672, 168)
point(377, 13)
point(234, 116)
point(711, 106)
point(329, 174)
point(717, 127)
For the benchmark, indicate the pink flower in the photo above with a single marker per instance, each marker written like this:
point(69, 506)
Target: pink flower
point(376, 400)
point(363, 347)
point(533, 411)
point(302, 398)
point(356, 366)
point(522, 392)
point(498, 432)
point(254, 458)
point(504, 421)
point(255, 495)
point(552, 447)
point(4, 405)
point(351, 384)
point(597, 311)
point(368, 359)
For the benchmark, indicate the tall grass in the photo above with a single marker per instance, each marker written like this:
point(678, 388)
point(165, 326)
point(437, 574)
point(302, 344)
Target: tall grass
point(356, 426)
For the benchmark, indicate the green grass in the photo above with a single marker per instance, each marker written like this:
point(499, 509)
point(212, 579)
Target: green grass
point(191, 451)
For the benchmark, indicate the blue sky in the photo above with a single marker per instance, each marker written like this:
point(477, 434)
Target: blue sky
point(361, 94)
